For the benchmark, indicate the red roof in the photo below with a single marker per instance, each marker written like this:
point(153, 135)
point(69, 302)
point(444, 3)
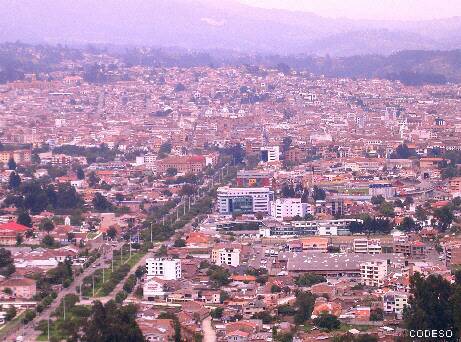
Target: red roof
point(13, 226)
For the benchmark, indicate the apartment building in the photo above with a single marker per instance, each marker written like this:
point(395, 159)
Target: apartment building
point(226, 256)
point(372, 273)
point(270, 153)
point(163, 268)
point(285, 208)
point(368, 246)
point(244, 200)
point(395, 302)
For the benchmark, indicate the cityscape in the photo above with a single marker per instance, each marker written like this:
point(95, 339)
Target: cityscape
point(163, 194)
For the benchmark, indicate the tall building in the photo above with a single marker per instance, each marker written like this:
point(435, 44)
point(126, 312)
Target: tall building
point(226, 256)
point(270, 153)
point(244, 200)
point(283, 208)
point(372, 273)
point(163, 268)
point(367, 246)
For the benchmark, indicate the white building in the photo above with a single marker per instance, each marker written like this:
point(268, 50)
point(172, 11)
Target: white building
point(153, 288)
point(395, 302)
point(226, 256)
point(270, 153)
point(372, 273)
point(163, 268)
point(367, 246)
point(289, 207)
point(244, 200)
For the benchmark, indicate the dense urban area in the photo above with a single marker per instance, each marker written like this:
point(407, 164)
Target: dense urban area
point(143, 202)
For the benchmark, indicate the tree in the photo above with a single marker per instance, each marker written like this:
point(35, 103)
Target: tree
point(14, 181)
point(171, 171)
point(377, 200)
point(219, 275)
point(217, 313)
point(112, 232)
point(10, 313)
point(80, 174)
point(7, 267)
point(179, 243)
point(444, 217)
point(377, 314)
point(408, 200)
point(409, 225)
point(19, 239)
point(46, 225)
point(11, 164)
point(101, 204)
point(48, 241)
point(275, 288)
point(309, 279)
point(420, 213)
point(386, 209)
point(286, 143)
point(327, 321)
point(318, 194)
point(288, 190)
point(304, 304)
point(429, 304)
point(93, 179)
point(111, 322)
point(24, 219)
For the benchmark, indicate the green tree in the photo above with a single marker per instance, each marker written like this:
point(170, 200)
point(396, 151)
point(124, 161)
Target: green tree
point(327, 321)
point(217, 312)
point(171, 171)
point(318, 194)
point(304, 305)
point(10, 313)
point(386, 209)
point(7, 267)
point(24, 219)
point(48, 241)
point(309, 279)
point(444, 217)
point(101, 204)
point(11, 164)
point(429, 304)
point(112, 232)
point(14, 181)
point(80, 174)
point(377, 200)
point(19, 239)
point(46, 225)
point(377, 314)
point(179, 243)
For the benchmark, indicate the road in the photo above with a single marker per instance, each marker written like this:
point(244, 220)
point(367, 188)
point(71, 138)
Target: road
point(30, 334)
point(28, 331)
point(209, 334)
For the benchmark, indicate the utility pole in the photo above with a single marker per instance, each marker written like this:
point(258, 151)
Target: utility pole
point(103, 279)
point(48, 328)
point(121, 254)
point(93, 284)
point(189, 202)
point(112, 262)
point(177, 214)
point(184, 211)
point(130, 245)
point(64, 306)
point(151, 232)
point(163, 220)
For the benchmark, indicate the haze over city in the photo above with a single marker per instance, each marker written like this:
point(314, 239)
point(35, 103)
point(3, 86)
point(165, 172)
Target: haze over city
point(230, 171)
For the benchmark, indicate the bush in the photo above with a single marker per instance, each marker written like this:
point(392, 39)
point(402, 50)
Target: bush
point(120, 296)
point(28, 316)
point(327, 321)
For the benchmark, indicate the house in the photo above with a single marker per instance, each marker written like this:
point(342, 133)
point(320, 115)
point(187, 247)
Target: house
point(157, 330)
point(20, 287)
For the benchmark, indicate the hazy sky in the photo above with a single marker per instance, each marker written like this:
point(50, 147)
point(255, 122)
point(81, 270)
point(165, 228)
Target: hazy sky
point(369, 9)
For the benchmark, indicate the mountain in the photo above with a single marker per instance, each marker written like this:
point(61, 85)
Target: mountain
point(224, 24)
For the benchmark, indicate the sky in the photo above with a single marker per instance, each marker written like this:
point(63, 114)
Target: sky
point(368, 9)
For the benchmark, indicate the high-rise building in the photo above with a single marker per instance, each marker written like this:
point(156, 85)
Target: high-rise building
point(164, 268)
point(244, 200)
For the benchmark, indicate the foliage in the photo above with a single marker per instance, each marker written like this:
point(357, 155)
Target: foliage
point(6, 263)
point(327, 321)
point(377, 314)
point(219, 275)
point(309, 279)
point(304, 305)
point(111, 322)
point(24, 219)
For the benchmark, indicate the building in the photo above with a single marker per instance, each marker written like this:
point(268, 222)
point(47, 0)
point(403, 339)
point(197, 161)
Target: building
point(9, 232)
point(454, 186)
point(364, 245)
point(395, 302)
point(303, 228)
point(183, 164)
point(452, 253)
point(20, 287)
point(373, 273)
point(226, 256)
point(270, 154)
point(163, 268)
point(244, 200)
point(285, 208)
point(19, 156)
point(384, 189)
point(414, 249)
point(254, 178)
